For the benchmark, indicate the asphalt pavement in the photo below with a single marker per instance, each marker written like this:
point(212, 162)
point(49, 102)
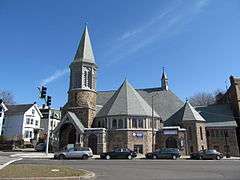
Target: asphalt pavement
point(151, 169)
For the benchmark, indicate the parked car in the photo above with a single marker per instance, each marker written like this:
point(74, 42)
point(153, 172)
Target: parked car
point(207, 154)
point(74, 153)
point(41, 147)
point(164, 153)
point(119, 153)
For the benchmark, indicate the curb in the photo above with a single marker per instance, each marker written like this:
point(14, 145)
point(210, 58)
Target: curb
point(89, 175)
point(9, 162)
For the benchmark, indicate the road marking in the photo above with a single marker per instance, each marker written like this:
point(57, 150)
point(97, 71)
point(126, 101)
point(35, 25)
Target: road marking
point(9, 162)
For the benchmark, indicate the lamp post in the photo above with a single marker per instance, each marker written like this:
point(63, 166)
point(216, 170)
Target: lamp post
point(153, 133)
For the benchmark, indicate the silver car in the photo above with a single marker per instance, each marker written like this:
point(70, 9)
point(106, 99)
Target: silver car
point(74, 153)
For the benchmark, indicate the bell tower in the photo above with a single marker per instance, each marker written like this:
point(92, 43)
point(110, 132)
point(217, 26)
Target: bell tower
point(164, 81)
point(82, 88)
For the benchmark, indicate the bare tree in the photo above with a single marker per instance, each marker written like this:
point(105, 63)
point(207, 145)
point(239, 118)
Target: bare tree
point(7, 97)
point(205, 98)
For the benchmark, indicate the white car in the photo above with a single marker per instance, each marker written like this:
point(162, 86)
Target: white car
point(74, 153)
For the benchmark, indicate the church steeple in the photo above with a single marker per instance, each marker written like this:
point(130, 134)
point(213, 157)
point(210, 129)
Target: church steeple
point(83, 67)
point(164, 81)
point(84, 52)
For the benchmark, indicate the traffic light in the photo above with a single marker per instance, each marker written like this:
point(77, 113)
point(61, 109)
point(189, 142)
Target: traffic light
point(49, 100)
point(43, 92)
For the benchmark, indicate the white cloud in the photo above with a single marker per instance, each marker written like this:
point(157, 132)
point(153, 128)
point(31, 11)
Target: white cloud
point(57, 74)
point(170, 21)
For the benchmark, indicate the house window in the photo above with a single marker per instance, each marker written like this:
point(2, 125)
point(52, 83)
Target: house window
point(51, 123)
point(31, 121)
point(217, 133)
point(212, 133)
point(134, 122)
point(114, 123)
point(36, 123)
point(201, 134)
point(30, 134)
point(28, 121)
point(26, 134)
point(0, 114)
point(33, 112)
point(120, 123)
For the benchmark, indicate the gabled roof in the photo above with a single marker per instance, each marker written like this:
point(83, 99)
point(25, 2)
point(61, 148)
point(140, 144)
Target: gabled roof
point(70, 117)
point(217, 115)
point(185, 113)
point(84, 52)
point(18, 109)
point(126, 101)
point(3, 106)
point(190, 114)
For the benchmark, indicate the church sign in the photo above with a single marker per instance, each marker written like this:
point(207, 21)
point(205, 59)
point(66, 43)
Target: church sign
point(137, 135)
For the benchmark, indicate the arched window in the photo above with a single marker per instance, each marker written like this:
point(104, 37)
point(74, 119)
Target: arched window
point(140, 123)
point(120, 124)
point(114, 123)
point(90, 79)
point(99, 124)
point(85, 78)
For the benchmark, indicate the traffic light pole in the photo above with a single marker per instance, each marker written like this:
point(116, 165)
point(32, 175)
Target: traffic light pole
point(48, 130)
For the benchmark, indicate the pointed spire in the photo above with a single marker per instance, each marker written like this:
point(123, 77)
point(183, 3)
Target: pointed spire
point(190, 114)
point(164, 80)
point(84, 52)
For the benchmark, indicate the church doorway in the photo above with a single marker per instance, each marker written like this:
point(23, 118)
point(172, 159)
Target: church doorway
point(171, 142)
point(67, 135)
point(92, 143)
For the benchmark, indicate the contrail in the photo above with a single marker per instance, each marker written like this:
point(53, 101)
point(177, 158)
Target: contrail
point(54, 76)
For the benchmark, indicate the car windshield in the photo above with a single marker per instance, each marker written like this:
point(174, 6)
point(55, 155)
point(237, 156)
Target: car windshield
point(212, 151)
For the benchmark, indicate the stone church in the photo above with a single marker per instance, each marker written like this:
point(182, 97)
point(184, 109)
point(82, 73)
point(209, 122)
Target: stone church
point(139, 119)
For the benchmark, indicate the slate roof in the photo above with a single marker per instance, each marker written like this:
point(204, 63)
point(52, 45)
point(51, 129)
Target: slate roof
point(165, 103)
point(125, 101)
point(217, 115)
point(185, 113)
point(18, 109)
point(190, 114)
point(76, 121)
point(84, 52)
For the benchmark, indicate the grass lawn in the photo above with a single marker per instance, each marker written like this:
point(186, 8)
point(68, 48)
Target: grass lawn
point(29, 170)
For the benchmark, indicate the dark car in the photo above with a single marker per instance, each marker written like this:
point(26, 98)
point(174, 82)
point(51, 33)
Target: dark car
point(41, 147)
point(165, 153)
point(207, 154)
point(119, 153)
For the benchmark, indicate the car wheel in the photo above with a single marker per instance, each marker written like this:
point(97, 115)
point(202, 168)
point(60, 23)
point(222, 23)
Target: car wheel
point(174, 157)
point(154, 157)
point(218, 157)
point(61, 157)
point(85, 157)
point(129, 157)
point(108, 157)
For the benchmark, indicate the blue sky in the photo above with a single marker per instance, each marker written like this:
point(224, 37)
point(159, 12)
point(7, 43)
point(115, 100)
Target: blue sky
point(198, 43)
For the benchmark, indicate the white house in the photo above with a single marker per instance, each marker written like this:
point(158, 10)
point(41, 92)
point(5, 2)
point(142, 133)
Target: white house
point(3, 109)
point(51, 120)
point(22, 122)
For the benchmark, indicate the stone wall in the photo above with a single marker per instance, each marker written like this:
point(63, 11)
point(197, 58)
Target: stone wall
point(216, 139)
point(83, 104)
point(195, 140)
point(129, 138)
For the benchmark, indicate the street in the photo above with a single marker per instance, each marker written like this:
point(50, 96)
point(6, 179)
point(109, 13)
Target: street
point(151, 169)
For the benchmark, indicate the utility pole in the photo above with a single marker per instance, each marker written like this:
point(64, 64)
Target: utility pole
point(153, 146)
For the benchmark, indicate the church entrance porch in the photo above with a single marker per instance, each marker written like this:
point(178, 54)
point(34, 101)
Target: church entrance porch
point(67, 135)
point(172, 137)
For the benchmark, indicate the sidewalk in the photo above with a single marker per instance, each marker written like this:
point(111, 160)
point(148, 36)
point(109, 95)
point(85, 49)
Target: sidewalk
point(34, 155)
point(4, 161)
